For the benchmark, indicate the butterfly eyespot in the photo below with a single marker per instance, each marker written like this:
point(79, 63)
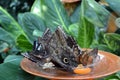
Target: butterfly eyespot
point(45, 53)
point(65, 60)
point(56, 51)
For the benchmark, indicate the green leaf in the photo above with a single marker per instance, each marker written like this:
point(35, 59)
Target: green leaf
point(38, 8)
point(23, 43)
point(114, 5)
point(29, 23)
point(75, 15)
point(101, 47)
point(113, 41)
point(54, 14)
point(95, 13)
point(10, 29)
point(3, 46)
point(73, 29)
point(86, 29)
point(10, 69)
point(37, 33)
point(5, 36)
point(118, 74)
point(112, 77)
point(9, 24)
point(13, 58)
point(85, 34)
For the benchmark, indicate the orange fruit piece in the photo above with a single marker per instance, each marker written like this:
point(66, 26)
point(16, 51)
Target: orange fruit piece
point(81, 70)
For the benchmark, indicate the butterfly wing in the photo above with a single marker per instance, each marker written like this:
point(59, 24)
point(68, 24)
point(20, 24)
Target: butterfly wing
point(39, 51)
point(88, 57)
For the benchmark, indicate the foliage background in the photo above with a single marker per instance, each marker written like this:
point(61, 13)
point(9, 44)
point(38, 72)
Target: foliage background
point(22, 21)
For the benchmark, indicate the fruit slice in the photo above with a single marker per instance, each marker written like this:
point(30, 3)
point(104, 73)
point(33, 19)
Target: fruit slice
point(81, 70)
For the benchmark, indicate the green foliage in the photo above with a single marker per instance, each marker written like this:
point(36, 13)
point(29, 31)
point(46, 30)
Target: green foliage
point(113, 77)
point(23, 43)
point(84, 25)
point(38, 8)
point(30, 22)
point(114, 5)
point(75, 15)
point(112, 40)
point(10, 27)
point(73, 28)
point(11, 70)
point(3, 46)
point(9, 24)
point(95, 12)
point(86, 28)
point(53, 12)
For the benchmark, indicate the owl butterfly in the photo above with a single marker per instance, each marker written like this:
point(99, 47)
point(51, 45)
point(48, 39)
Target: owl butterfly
point(57, 50)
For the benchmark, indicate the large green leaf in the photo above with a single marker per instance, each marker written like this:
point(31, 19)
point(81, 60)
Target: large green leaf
point(85, 34)
point(14, 59)
point(37, 33)
point(86, 28)
point(73, 29)
point(10, 29)
point(113, 41)
point(5, 36)
point(75, 15)
point(10, 69)
point(9, 24)
point(29, 23)
point(95, 13)
point(38, 8)
point(54, 13)
point(114, 5)
point(23, 43)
